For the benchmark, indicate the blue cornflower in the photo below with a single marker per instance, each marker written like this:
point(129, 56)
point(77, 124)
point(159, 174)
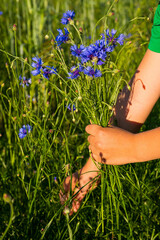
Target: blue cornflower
point(91, 72)
point(24, 81)
point(67, 16)
point(62, 38)
point(37, 63)
point(112, 39)
point(95, 52)
point(75, 72)
point(109, 48)
point(69, 107)
point(101, 51)
point(1, 12)
point(47, 71)
point(75, 51)
point(24, 130)
point(55, 180)
point(88, 53)
point(120, 39)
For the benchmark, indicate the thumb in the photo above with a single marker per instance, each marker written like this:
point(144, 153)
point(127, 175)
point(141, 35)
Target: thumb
point(66, 184)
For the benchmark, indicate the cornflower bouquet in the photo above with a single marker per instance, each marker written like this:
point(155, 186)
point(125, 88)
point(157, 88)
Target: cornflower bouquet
point(87, 77)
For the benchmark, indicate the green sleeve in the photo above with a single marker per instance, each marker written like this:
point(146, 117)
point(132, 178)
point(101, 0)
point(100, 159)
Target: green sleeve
point(154, 44)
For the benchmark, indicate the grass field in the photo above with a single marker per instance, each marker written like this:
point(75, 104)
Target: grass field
point(126, 204)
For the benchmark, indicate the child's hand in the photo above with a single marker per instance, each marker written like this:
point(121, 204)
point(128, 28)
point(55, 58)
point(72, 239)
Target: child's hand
point(111, 145)
point(82, 182)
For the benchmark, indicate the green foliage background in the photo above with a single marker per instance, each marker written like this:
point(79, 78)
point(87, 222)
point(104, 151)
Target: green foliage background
point(129, 195)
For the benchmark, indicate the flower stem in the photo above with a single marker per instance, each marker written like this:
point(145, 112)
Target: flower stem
point(10, 220)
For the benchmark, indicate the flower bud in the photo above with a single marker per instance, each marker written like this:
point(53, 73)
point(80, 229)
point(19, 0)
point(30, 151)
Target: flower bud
point(52, 41)
point(46, 37)
point(7, 198)
point(51, 130)
point(129, 87)
point(73, 120)
point(71, 22)
point(111, 65)
point(116, 71)
point(80, 98)
point(55, 180)
point(110, 14)
point(66, 210)
point(80, 30)
point(14, 27)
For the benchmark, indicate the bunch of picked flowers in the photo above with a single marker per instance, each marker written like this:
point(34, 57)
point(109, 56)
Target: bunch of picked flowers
point(90, 84)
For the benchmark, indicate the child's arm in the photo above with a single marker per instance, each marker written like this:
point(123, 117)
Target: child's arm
point(133, 107)
point(115, 146)
point(131, 111)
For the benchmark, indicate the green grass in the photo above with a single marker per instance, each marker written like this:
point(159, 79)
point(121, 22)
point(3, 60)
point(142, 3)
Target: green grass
point(126, 203)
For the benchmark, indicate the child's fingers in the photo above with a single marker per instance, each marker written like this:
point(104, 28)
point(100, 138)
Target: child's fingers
point(76, 205)
point(93, 129)
point(63, 197)
point(66, 184)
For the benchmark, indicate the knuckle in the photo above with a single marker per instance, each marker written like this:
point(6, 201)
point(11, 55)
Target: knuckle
point(100, 133)
point(99, 145)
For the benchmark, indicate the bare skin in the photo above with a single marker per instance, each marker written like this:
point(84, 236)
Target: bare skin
point(113, 145)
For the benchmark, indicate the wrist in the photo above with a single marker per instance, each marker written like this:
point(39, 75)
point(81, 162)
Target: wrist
point(140, 148)
point(91, 167)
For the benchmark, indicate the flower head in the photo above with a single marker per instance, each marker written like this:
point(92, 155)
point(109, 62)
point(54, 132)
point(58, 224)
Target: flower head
point(91, 72)
point(24, 81)
point(62, 38)
point(75, 72)
point(120, 39)
point(75, 51)
point(112, 39)
point(37, 64)
point(47, 71)
point(24, 130)
point(1, 13)
point(71, 108)
point(96, 51)
point(67, 17)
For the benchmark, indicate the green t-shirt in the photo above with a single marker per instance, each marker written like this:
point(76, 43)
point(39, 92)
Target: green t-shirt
point(154, 44)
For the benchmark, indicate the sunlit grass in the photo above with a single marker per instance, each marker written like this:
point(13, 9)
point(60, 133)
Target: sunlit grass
point(126, 203)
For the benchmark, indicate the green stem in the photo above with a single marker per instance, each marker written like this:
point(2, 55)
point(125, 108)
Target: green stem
point(10, 221)
point(102, 203)
point(79, 35)
point(69, 228)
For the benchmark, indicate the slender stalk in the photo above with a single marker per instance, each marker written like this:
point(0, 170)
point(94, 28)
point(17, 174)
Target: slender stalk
point(10, 220)
point(78, 32)
point(69, 228)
